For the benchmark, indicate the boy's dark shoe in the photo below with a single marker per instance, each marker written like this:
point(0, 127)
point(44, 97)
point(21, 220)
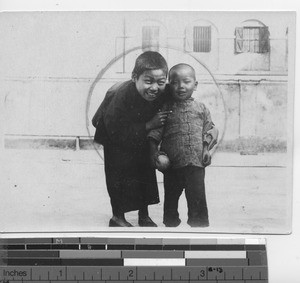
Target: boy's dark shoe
point(119, 222)
point(172, 223)
point(146, 222)
point(197, 223)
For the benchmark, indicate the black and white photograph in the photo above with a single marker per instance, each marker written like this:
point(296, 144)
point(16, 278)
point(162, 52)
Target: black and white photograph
point(157, 121)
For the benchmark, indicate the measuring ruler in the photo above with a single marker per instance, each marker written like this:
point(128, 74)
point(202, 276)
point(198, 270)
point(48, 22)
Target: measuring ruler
point(152, 260)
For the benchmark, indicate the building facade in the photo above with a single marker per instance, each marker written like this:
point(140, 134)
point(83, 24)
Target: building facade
point(58, 66)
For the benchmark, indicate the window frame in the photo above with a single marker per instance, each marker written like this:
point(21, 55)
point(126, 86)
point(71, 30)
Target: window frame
point(152, 42)
point(260, 42)
point(202, 41)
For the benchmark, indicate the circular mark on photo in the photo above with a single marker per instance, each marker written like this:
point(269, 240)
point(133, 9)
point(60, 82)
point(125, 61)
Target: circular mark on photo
point(128, 51)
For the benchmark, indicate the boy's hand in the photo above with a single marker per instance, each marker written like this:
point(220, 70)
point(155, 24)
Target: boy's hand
point(162, 161)
point(206, 157)
point(158, 120)
point(212, 135)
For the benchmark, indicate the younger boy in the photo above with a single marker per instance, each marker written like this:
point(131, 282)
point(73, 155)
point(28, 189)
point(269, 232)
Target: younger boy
point(183, 139)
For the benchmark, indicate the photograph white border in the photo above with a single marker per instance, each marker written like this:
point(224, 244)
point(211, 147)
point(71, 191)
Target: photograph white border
point(279, 247)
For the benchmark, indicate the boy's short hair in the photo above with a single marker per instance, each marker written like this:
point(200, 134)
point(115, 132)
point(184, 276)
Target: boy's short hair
point(149, 60)
point(181, 65)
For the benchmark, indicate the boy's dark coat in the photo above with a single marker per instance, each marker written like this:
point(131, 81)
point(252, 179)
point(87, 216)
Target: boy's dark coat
point(131, 182)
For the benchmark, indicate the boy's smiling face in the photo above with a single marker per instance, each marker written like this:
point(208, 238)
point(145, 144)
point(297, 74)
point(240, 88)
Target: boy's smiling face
point(150, 84)
point(183, 82)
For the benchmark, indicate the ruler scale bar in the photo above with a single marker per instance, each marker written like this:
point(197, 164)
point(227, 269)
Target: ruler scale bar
point(26, 273)
point(133, 260)
point(148, 281)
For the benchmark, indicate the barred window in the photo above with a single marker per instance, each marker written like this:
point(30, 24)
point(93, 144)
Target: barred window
point(150, 38)
point(202, 39)
point(252, 40)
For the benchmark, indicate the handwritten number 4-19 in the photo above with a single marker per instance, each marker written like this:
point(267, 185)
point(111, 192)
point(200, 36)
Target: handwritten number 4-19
point(218, 269)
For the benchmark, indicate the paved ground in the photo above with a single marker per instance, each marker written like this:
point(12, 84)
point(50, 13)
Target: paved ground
point(64, 190)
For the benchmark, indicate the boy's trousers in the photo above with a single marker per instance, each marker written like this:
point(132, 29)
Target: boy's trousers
point(190, 178)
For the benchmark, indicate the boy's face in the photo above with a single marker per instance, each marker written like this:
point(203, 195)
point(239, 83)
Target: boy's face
point(183, 83)
point(150, 84)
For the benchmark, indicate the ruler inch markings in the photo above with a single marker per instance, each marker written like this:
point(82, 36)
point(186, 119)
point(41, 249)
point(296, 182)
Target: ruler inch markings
point(178, 275)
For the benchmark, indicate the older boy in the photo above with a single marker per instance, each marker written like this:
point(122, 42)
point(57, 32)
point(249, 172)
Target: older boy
point(183, 139)
point(131, 111)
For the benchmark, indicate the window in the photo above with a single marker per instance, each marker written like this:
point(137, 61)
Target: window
point(252, 40)
point(150, 38)
point(202, 39)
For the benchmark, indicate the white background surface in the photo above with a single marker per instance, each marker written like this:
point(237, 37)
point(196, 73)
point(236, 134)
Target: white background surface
point(283, 251)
